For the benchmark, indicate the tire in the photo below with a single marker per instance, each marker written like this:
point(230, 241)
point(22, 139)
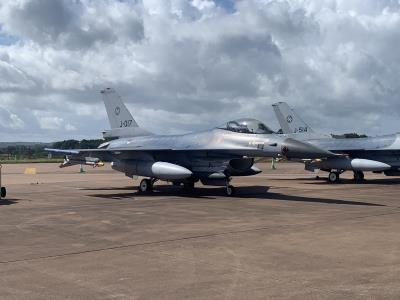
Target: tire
point(145, 186)
point(188, 186)
point(230, 191)
point(358, 176)
point(3, 192)
point(333, 177)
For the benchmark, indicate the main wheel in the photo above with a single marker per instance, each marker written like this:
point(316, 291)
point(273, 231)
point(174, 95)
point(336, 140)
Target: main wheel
point(230, 190)
point(188, 186)
point(3, 192)
point(333, 177)
point(145, 185)
point(358, 176)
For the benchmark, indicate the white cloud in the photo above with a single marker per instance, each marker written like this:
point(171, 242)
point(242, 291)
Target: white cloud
point(10, 121)
point(70, 127)
point(185, 65)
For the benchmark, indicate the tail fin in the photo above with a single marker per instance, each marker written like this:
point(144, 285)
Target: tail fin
point(121, 121)
point(289, 120)
point(118, 114)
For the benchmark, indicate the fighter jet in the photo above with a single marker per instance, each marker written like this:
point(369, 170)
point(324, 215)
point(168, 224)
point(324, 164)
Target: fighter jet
point(380, 154)
point(213, 156)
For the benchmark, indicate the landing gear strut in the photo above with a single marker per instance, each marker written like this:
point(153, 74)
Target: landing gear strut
point(146, 185)
point(358, 176)
point(333, 177)
point(229, 189)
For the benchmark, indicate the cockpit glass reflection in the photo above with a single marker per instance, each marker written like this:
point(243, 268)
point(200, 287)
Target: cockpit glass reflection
point(251, 126)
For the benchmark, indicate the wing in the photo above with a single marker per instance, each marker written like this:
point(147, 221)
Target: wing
point(97, 157)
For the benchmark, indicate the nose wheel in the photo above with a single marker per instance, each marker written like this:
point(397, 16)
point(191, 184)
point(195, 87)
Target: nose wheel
point(3, 192)
point(146, 185)
point(229, 189)
point(333, 177)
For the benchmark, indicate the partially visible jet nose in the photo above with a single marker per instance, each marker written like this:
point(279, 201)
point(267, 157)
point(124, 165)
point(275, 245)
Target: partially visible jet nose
point(292, 148)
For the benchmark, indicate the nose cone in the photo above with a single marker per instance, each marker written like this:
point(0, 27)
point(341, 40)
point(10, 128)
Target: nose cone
point(292, 148)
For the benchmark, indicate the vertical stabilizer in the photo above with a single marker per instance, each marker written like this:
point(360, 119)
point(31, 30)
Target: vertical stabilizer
point(289, 121)
point(118, 114)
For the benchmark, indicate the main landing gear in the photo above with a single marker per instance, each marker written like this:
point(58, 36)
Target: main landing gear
point(146, 186)
point(334, 176)
point(358, 176)
point(188, 186)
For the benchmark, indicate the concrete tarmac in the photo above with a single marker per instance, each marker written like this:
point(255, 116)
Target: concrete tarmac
point(286, 235)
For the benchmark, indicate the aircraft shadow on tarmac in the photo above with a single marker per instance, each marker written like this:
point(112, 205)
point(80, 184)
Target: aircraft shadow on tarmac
point(367, 181)
point(250, 192)
point(8, 201)
point(323, 180)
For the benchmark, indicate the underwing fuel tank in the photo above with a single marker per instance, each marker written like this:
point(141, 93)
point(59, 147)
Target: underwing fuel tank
point(161, 170)
point(347, 163)
point(368, 165)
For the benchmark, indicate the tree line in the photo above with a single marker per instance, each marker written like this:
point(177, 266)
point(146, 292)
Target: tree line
point(36, 151)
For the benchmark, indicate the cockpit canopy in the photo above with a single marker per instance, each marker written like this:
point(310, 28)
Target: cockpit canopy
point(251, 126)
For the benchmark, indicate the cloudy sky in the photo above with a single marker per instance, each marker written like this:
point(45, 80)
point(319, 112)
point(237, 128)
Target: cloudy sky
point(185, 65)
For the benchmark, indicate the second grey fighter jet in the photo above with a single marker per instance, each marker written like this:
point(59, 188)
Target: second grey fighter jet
point(212, 157)
point(380, 154)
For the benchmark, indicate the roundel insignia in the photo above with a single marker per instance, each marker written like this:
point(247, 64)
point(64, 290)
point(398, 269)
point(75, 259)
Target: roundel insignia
point(289, 119)
point(117, 110)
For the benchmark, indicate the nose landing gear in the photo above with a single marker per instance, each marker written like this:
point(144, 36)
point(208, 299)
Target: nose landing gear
point(333, 177)
point(229, 189)
point(146, 185)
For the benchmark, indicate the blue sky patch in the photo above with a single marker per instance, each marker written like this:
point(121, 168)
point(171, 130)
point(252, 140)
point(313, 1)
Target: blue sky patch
point(228, 5)
point(7, 40)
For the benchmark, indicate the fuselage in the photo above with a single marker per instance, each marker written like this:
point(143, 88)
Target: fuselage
point(208, 154)
point(260, 145)
point(217, 151)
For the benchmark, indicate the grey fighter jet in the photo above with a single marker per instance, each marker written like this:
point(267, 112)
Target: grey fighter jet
point(212, 157)
point(380, 154)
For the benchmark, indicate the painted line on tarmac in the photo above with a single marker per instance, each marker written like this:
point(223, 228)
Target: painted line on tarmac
point(194, 237)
